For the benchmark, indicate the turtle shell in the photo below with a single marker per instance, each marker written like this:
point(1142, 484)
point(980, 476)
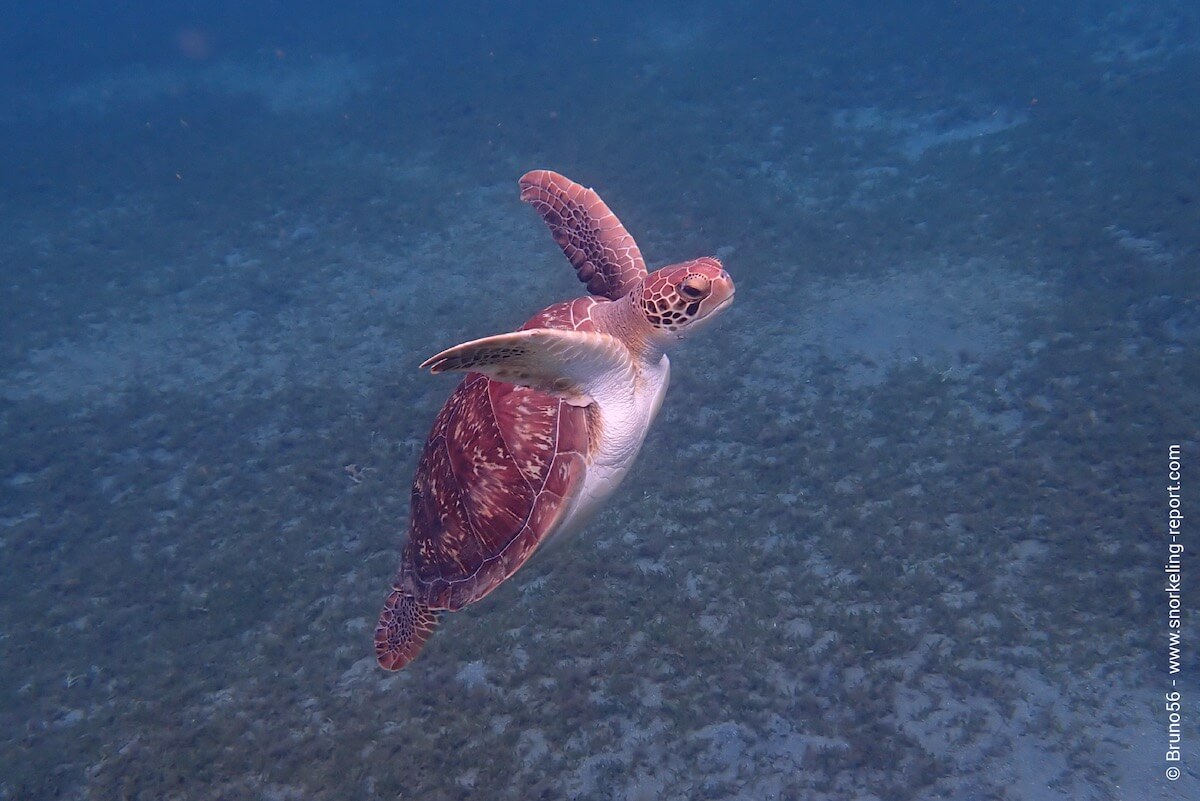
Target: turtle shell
point(497, 474)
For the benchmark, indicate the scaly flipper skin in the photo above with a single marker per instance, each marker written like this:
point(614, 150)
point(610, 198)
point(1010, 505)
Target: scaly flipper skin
point(404, 626)
point(559, 363)
point(603, 253)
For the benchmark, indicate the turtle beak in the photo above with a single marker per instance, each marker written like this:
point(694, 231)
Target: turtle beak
point(723, 290)
point(721, 297)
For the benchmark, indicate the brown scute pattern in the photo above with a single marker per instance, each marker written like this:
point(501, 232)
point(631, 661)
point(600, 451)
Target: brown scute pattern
point(474, 359)
point(661, 301)
point(498, 466)
point(404, 626)
point(569, 315)
point(492, 483)
point(500, 463)
point(604, 255)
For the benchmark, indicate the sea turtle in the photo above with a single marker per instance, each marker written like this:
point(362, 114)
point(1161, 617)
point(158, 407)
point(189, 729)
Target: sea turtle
point(548, 419)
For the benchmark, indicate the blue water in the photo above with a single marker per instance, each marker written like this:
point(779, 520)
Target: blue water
point(898, 532)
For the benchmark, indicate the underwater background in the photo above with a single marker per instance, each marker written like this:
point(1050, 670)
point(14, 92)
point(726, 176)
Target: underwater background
point(898, 533)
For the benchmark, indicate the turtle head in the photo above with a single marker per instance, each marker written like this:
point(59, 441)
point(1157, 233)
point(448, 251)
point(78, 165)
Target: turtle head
point(682, 298)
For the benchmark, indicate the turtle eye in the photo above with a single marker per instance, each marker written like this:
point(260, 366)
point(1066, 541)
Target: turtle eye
point(694, 287)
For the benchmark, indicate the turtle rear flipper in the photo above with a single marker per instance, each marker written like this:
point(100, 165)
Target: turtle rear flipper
point(404, 626)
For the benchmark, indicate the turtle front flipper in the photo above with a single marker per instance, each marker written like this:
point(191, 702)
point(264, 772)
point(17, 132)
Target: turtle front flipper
point(404, 626)
point(572, 365)
point(603, 253)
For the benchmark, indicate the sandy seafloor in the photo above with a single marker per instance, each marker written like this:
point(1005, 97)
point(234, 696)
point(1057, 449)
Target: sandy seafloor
point(898, 532)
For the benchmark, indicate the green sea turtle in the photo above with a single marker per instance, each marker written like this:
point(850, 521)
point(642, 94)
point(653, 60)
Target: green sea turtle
point(548, 419)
